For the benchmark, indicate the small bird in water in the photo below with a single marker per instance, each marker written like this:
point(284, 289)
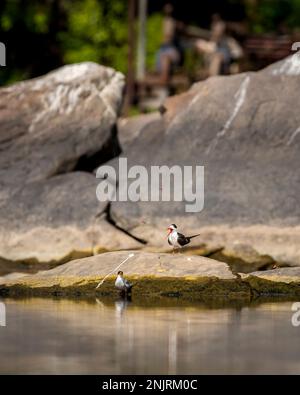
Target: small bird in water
point(177, 239)
point(122, 284)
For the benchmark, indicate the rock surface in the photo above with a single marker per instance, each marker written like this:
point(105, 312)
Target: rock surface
point(275, 282)
point(248, 139)
point(288, 66)
point(54, 130)
point(143, 264)
point(153, 274)
point(249, 146)
point(244, 258)
point(49, 123)
point(129, 129)
point(285, 274)
point(245, 248)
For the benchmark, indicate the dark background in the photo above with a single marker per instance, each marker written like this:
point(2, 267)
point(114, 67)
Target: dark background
point(43, 35)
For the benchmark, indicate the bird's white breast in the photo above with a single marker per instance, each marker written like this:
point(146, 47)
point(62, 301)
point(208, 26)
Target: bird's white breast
point(119, 283)
point(173, 238)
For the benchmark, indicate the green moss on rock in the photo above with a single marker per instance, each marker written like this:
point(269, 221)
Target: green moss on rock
point(261, 286)
point(190, 287)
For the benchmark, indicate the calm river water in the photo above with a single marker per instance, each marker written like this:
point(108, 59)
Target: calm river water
point(121, 337)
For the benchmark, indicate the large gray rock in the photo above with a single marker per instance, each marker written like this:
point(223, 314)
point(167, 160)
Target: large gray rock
point(129, 129)
point(152, 274)
point(278, 282)
point(246, 137)
point(141, 264)
point(288, 66)
point(56, 220)
point(51, 128)
point(47, 124)
point(245, 130)
point(284, 275)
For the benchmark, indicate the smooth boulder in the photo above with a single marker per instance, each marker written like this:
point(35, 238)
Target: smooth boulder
point(152, 274)
point(244, 129)
point(54, 131)
point(155, 275)
point(49, 123)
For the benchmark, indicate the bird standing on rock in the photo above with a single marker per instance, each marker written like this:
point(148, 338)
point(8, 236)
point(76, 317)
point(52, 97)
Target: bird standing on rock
point(122, 284)
point(177, 239)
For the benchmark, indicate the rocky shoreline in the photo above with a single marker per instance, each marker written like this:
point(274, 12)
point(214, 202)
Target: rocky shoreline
point(67, 124)
point(154, 275)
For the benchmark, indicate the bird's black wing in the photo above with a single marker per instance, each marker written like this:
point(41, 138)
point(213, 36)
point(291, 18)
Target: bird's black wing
point(127, 284)
point(182, 240)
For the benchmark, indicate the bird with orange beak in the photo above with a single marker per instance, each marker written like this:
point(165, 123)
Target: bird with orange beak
point(176, 239)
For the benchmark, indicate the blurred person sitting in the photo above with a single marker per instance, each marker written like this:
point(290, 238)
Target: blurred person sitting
point(169, 55)
point(221, 50)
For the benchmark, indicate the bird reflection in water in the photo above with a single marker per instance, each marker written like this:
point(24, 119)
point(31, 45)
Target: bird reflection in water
point(121, 304)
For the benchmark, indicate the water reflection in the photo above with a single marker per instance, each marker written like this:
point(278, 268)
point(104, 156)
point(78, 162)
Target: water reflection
point(132, 336)
point(121, 305)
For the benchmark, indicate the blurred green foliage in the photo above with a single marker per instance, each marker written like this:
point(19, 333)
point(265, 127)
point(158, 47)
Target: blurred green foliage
point(42, 35)
point(265, 16)
point(95, 31)
point(98, 32)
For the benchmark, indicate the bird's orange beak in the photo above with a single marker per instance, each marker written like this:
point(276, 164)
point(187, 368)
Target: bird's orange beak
point(169, 230)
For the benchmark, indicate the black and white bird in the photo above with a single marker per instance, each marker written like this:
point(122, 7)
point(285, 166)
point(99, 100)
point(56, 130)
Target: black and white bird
point(176, 239)
point(122, 284)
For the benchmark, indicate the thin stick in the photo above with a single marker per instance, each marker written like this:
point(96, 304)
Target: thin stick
point(102, 281)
